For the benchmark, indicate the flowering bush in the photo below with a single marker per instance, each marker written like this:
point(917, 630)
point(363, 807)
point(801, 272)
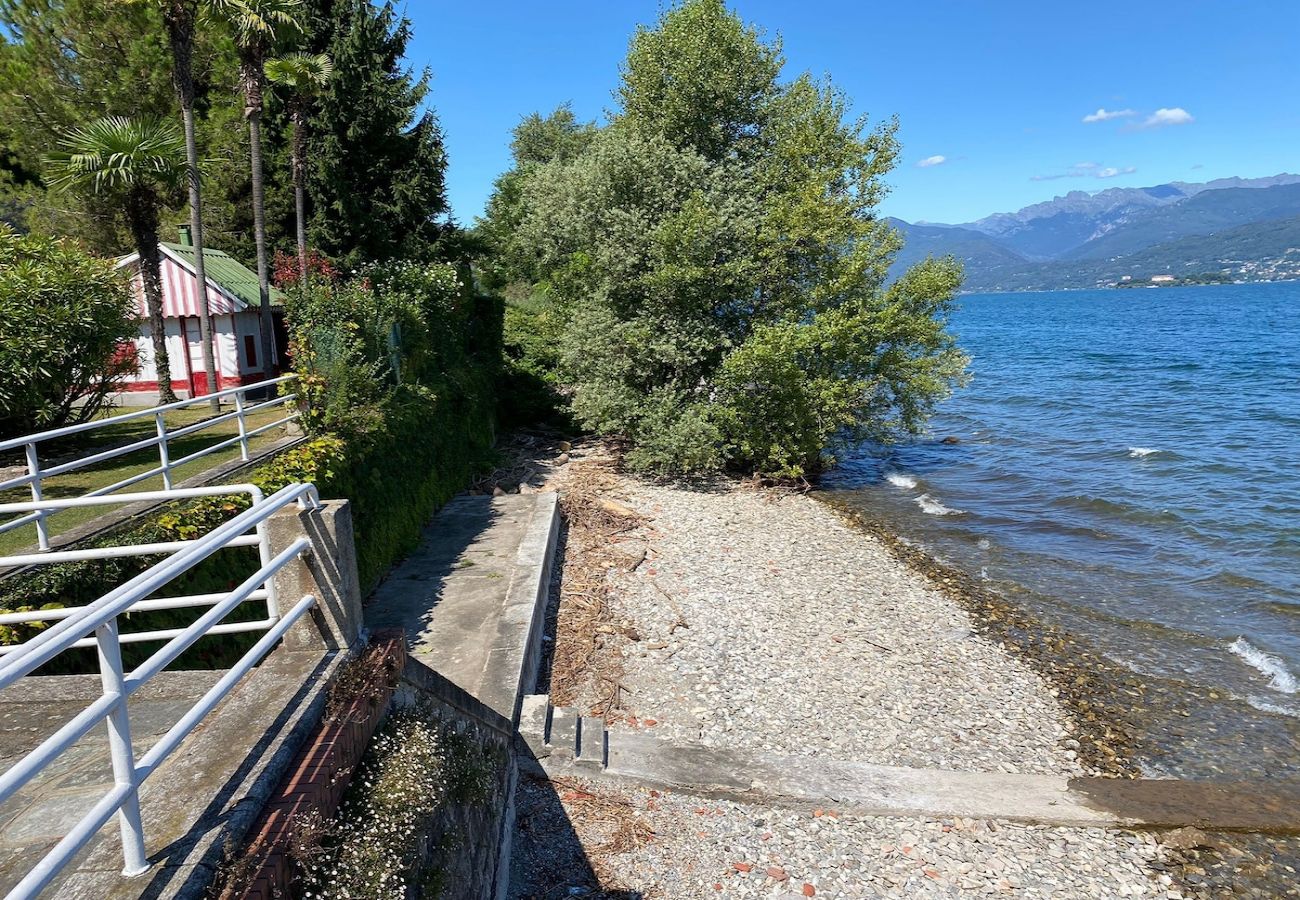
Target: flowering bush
point(372, 847)
point(66, 320)
point(286, 274)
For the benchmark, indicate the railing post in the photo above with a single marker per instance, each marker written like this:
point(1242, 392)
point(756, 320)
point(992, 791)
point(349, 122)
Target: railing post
point(328, 573)
point(34, 470)
point(243, 426)
point(164, 453)
point(119, 743)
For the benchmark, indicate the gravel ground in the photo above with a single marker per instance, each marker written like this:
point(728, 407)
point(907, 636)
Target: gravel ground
point(802, 635)
point(703, 849)
point(750, 619)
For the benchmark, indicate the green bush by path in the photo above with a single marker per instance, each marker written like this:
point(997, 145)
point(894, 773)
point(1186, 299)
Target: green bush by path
point(64, 318)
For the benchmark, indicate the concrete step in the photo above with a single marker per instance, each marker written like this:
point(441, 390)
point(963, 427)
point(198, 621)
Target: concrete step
point(565, 743)
point(562, 733)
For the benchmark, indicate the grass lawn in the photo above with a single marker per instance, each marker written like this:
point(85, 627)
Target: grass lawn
point(82, 481)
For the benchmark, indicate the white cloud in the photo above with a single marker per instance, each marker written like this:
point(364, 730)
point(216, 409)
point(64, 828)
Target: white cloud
point(931, 161)
point(1086, 170)
point(1162, 117)
point(1105, 115)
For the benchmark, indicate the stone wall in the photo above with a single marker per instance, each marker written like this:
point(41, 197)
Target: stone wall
point(466, 851)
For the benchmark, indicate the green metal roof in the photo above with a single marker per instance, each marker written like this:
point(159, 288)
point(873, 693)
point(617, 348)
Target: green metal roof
point(228, 272)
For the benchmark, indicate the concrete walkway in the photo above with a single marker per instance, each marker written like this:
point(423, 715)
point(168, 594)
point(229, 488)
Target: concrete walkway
point(472, 597)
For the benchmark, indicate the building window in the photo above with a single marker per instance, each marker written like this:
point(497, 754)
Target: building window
point(250, 351)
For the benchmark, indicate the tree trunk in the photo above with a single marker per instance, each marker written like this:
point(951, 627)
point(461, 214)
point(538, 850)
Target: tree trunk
point(200, 269)
point(180, 18)
point(142, 217)
point(252, 78)
point(299, 189)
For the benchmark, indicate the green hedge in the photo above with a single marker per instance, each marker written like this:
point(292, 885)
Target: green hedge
point(434, 440)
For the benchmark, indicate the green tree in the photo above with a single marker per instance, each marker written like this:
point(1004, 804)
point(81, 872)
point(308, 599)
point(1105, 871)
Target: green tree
point(254, 23)
point(64, 318)
point(132, 162)
point(303, 75)
point(377, 165)
point(718, 267)
point(64, 63)
point(537, 140)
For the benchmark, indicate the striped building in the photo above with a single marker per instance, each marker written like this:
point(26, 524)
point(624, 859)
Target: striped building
point(233, 299)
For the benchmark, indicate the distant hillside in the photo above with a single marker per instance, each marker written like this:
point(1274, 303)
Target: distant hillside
point(1203, 213)
point(1245, 226)
point(977, 251)
point(1260, 251)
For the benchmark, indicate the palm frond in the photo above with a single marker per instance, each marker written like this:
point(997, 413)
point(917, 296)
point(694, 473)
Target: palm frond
point(116, 153)
point(301, 72)
point(254, 20)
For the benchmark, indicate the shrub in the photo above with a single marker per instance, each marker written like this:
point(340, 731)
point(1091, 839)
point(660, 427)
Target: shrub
point(714, 266)
point(65, 322)
point(356, 341)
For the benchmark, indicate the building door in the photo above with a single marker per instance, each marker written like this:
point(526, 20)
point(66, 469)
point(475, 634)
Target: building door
point(194, 351)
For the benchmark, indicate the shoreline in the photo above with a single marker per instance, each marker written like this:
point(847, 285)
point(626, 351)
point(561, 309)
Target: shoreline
point(1154, 725)
point(1085, 688)
point(710, 613)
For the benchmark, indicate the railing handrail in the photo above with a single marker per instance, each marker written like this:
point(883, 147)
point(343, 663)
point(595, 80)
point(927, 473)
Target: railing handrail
point(37, 473)
point(49, 643)
point(67, 430)
point(101, 618)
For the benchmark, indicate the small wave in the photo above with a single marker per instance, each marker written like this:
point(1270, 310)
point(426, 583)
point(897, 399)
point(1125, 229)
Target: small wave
point(1280, 678)
point(899, 480)
point(1268, 706)
point(1143, 452)
point(933, 507)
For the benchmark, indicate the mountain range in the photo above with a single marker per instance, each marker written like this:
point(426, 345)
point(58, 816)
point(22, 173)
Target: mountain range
point(1246, 229)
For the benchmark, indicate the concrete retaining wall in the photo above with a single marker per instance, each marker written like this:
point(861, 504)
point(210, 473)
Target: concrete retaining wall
point(470, 834)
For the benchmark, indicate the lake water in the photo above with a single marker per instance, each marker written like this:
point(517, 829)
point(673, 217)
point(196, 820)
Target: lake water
point(1127, 463)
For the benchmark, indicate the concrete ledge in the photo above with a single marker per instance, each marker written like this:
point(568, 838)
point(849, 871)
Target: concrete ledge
point(867, 789)
point(472, 597)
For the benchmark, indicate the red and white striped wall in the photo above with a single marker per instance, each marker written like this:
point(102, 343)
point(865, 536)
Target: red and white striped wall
point(236, 332)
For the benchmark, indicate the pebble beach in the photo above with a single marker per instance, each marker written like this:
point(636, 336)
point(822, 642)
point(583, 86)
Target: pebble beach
point(762, 620)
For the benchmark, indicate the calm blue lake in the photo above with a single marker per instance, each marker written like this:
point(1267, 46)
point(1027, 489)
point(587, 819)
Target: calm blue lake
point(1128, 463)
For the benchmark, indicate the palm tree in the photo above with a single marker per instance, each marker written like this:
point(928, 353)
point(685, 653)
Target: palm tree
point(180, 16)
point(255, 23)
point(133, 162)
point(304, 74)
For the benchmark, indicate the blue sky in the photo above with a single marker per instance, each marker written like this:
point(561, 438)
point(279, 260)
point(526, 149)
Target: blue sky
point(998, 90)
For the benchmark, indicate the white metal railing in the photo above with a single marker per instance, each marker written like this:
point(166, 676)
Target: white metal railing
point(96, 624)
point(36, 474)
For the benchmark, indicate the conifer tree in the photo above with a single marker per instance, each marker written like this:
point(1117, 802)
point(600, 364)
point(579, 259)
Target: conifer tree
point(375, 167)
